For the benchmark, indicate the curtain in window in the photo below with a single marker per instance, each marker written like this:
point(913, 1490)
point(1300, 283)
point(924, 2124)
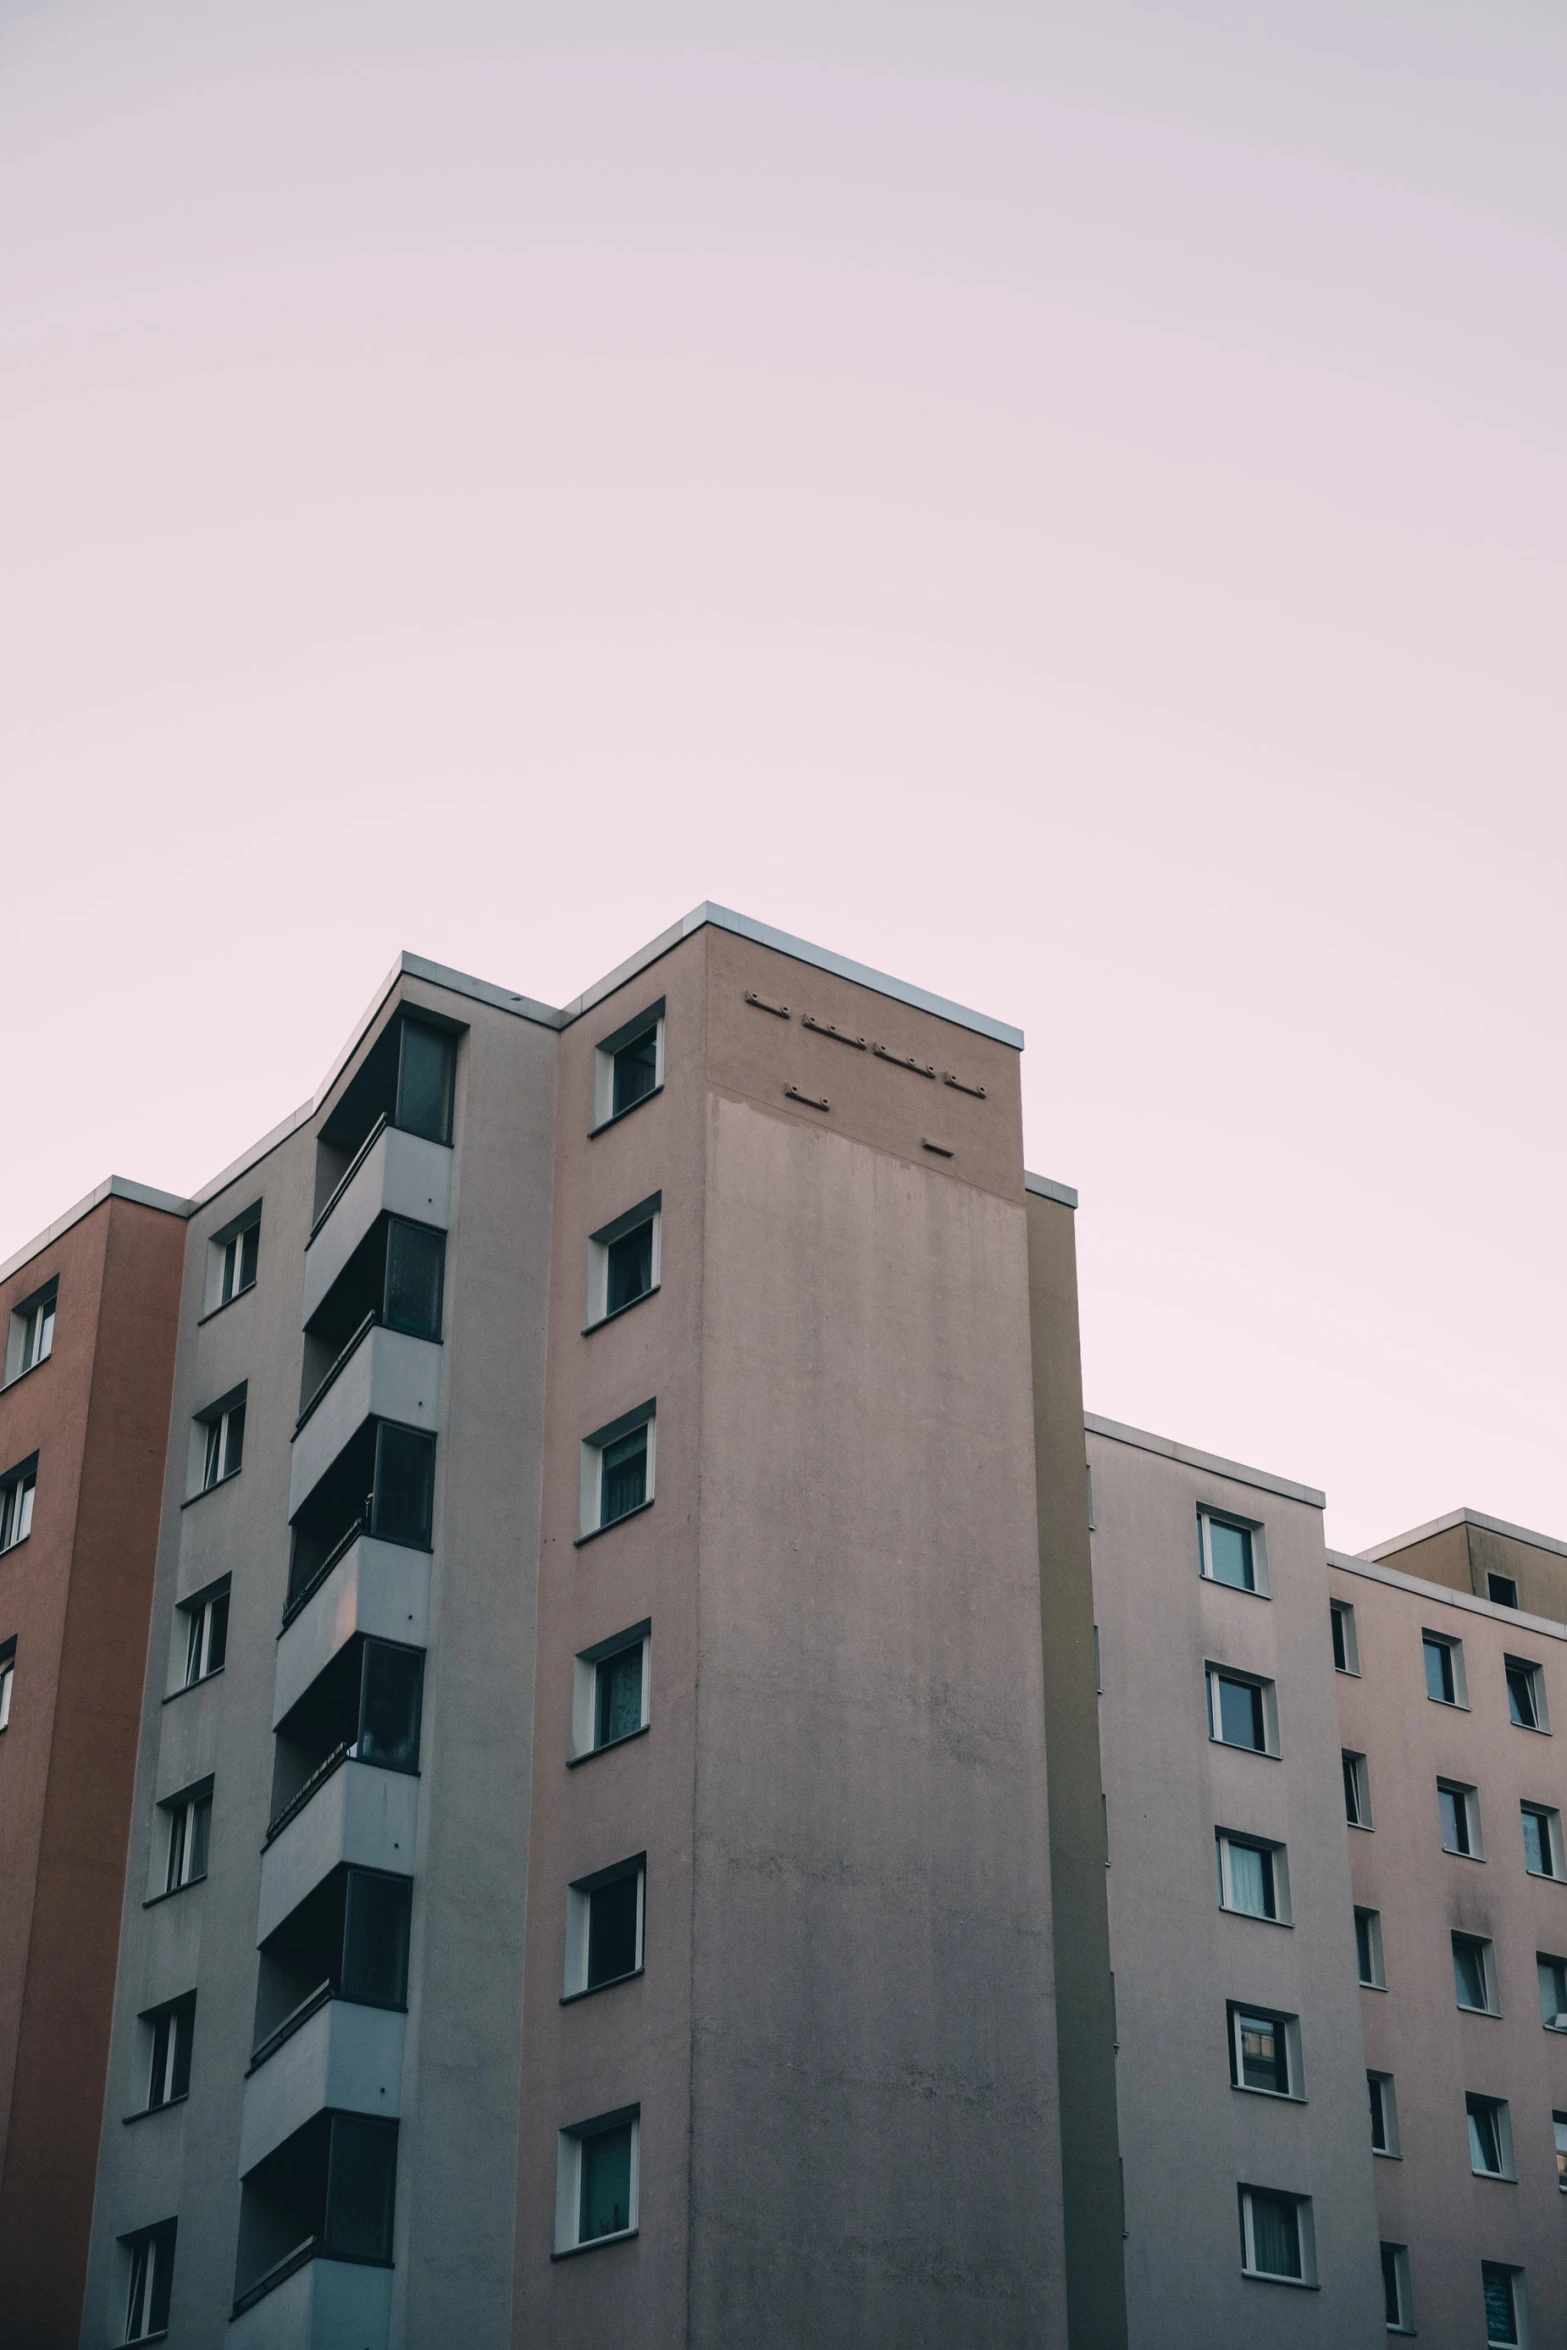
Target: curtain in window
point(1275, 2234)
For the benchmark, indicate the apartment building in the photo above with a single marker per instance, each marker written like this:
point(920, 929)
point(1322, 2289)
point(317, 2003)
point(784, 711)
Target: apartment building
point(87, 1315)
point(593, 1738)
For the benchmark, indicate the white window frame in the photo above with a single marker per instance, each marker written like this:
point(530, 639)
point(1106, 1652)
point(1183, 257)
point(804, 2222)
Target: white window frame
point(1377, 1980)
point(1289, 2026)
point(170, 2014)
point(1559, 2139)
point(568, 2180)
point(1523, 2338)
point(1468, 1801)
point(1552, 1820)
point(29, 1338)
point(1342, 1613)
point(229, 1237)
point(193, 1626)
point(1224, 1839)
point(1541, 1725)
point(1455, 1654)
point(1405, 2323)
point(1361, 1773)
point(1487, 1950)
point(18, 1492)
point(179, 1839)
point(584, 1688)
point(604, 1111)
point(579, 1897)
point(7, 1679)
point(214, 1425)
point(594, 1448)
point(647, 1211)
point(1385, 2092)
point(1304, 2223)
point(1215, 1673)
point(1543, 1958)
point(1502, 2111)
point(147, 2250)
point(1209, 1516)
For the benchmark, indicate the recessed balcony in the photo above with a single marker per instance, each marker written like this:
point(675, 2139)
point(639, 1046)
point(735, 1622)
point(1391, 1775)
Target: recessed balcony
point(355, 1813)
point(316, 2304)
point(339, 2057)
point(382, 1375)
point(378, 1589)
point(395, 1174)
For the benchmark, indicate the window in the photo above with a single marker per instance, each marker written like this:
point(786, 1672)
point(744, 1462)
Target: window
point(1474, 1974)
point(232, 1256)
point(610, 1691)
point(189, 1831)
point(1559, 2125)
point(7, 1674)
point(1384, 2113)
point(16, 1502)
point(623, 1260)
point(1276, 2237)
point(1506, 2309)
point(1490, 2137)
point(1264, 2051)
point(218, 1442)
point(30, 1337)
point(1552, 1973)
point(1253, 1877)
point(1368, 1949)
point(348, 1939)
point(1444, 1660)
point(1542, 1840)
point(1357, 1790)
point(1242, 1711)
point(330, 2189)
point(206, 1632)
point(152, 2274)
point(596, 2180)
point(604, 1927)
point(617, 1469)
point(628, 1066)
point(171, 2029)
point(1460, 1810)
point(1525, 1694)
point(1346, 1648)
point(1231, 1552)
point(1397, 2302)
point(1501, 1590)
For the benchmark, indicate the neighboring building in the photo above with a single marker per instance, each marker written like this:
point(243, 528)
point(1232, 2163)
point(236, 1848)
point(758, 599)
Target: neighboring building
point(1448, 1704)
point(87, 1315)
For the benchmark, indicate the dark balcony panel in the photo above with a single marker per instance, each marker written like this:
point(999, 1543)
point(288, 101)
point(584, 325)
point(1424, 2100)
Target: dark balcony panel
point(395, 1276)
point(426, 1068)
point(361, 2188)
point(327, 2190)
point(363, 1708)
point(389, 1706)
point(403, 1502)
point(347, 1940)
point(382, 1483)
point(407, 1080)
point(415, 1278)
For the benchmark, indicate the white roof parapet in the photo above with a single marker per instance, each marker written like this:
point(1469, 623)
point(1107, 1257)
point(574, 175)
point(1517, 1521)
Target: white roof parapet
point(1236, 1471)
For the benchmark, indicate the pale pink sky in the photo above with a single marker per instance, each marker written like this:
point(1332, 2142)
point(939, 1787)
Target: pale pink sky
point(1062, 502)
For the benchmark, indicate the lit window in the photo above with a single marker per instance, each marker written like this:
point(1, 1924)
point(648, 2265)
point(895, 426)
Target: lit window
point(1241, 1711)
point(30, 1337)
point(1444, 1661)
point(1474, 1974)
point(152, 2274)
point(16, 1503)
point(1368, 1949)
point(1346, 1649)
point(1506, 2309)
point(1357, 1790)
point(1253, 1877)
point(1460, 1812)
point(596, 2180)
point(1231, 1552)
point(1384, 2113)
point(1276, 2236)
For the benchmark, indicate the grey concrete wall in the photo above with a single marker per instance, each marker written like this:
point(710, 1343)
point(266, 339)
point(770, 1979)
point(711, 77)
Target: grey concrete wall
point(1430, 2199)
point(1188, 2139)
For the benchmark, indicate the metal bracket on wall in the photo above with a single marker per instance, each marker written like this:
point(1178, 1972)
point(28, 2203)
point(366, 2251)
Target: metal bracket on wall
point(978, 1091)
point(812, 1101)
point(826, 1028)
point(903, 1060)
point(779, 1011)
point(939, 1148)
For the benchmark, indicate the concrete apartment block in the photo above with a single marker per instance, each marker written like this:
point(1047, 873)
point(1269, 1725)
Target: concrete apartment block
point(1447, 1694)
point(1470, 1552)
point(1249, 2206)
point(87, 1315)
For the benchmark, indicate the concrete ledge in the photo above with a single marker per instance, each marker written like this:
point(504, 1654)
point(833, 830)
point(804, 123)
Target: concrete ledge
point(344, 2057)
point(1444, 1595)
point(379, 1588)
point(112, 1187)
point(326, 2305)
point(1465, 1517)
point(1236, 1471)
point(389, 1376)
point(1045, 1187)
point(361, 1814)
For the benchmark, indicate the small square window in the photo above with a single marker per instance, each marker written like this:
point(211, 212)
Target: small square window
point(1264, 2050)
point(1474, 1974)
point(1506, 2306)
point(628, 1066)
point(170, 2031)
point(1276, 2237)
point(1542, 1840)
point(189, 1831)
point(30, 1335)
point(604, 1927)
point(1444, 1663)
point(1397, 2301)
point(1490, 2137)
point(1253, 1877)
point(617, 1469)
point(596, 2189)
point(1346, 1648)
point(1242, 1711)
point(151, 2277)
point(1368, 1949)
point(1231, 1551)
point(1357, 1790)
point(233, 1255)
point(1526, 1695)
point(624, 1261)
point(17, 1490)
point(1552, 1973)
point(610, 1696)
point(1501, 1590)
point(218, 1442)
point(1459, 1807)
point(1384, 2114)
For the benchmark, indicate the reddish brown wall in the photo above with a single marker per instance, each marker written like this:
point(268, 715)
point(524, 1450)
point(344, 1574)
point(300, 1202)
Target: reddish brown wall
point(75, 1596)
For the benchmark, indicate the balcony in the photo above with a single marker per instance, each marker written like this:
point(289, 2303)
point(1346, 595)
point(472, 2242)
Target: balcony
point(356, 1814)
point(395, 1174)
point(385, 1376)
point(342, 2057)
point(379, 1589)
point(316, 2304)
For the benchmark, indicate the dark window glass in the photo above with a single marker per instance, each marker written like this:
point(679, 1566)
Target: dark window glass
point(249, 1252)
point(1264, 2056)
point(1485, 2136)
point(1352, 1789)
point(1240, 1714)
point(415, 1265)
point(625, 1475)
point(152, 2277)
point(172, 2033)
point(1365, 1949)
point(424, 1082)
point(1378, 2113)
point(1229, 1555)
point(630, 1268)
point(361, 2179)
point(619, 1695)
point(1392, 2298)
point(636, 1070)
point(1469, 1972)
point(1439, 1671)
point(612, 1931)
point(217, 1632)
point(1340, 1648)
point(1275, 2231)
point(200, 1836)
point(1501, 2302)
point(1538, 1853)
point(389, 1706)
point(234, 1449)
point(1455, 1819)
point(404, 1485)
point(1503, 1590)
point(1520, 1697)
point(1552, 1973)
point(375, 1939)
point(606, 2184)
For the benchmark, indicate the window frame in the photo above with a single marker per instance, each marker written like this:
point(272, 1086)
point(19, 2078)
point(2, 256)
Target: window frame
point(7, 1680)
point(1453, 1648)
point(40, 1306)
point(1382, 2097)
point(1404, 2323)
point(594, 1447)
point(1356, 1774)
point(1266, 1690)
point(180, 1840)
point(166, 2017)
point(1239, 2012)
point(605, 1052)
point(233, 1235)
point(1518, 2295)
point(193, 1624)
point(150, 2251)
point(569, 2240)
point(1466, 1809)
point(1534, 1675)
point(18, 1503)
point(1377, 1979)
point(579, 1900)
point(1341, 1619)
point(1487, 1949)
point(584, 1690)
point(1477, 2103)
point(1278, 1859)
point(212, 1442)
point(646, 1211)
point(1213, 1515)
point(1305, 2236)
point(1542, 1960)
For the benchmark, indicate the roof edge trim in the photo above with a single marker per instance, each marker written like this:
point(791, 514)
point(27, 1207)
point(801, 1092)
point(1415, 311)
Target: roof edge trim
point(1349, 1563)
point(1188, 1455)
point(1465, 1517)
point(143, 1195)
point(1046, 1187)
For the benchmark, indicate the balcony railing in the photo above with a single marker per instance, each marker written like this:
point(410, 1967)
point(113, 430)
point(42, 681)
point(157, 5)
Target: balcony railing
point(276, 2274)
point(296, 1803)
point(350, 1171)
point(289, 2026)
point(318, 1575)
point(368, 1324)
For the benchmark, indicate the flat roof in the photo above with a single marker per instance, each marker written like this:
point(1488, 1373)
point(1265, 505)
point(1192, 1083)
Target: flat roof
point(1465, 1517)
point(1434, 1594)
point(112, 1187)
point(1191, 1458)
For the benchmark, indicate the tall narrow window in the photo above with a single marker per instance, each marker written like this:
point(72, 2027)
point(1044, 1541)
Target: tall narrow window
point(1490, 2137)
point(1503, 2291)
point(1542, 1840)
point(1397, 2303)
point(30, 1337)
point(604, 1927)
point(617, 1469)
point(415, 1278)
point(7, 1673)
point(628, 1066)
point(206, 1634)
point(1384, 2113)
point(1460, 1814)
point(1368, 1949)
point(1552, 1973)
point(16, 1503)
point(222, 1433)
point(1473, 1974)
point(190, 1829)
point(241, 1255)
point(152, 2276)
point(619, 1696)
point(1346, 1649)
point(596, 2197)
point(1444, 1669)
point(1525, 1694)
point(389, 1705)
point(1559, 2127)
point(427, 1062)
point(172, 2030)
point(403, 1496)
point(1357, 1790)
